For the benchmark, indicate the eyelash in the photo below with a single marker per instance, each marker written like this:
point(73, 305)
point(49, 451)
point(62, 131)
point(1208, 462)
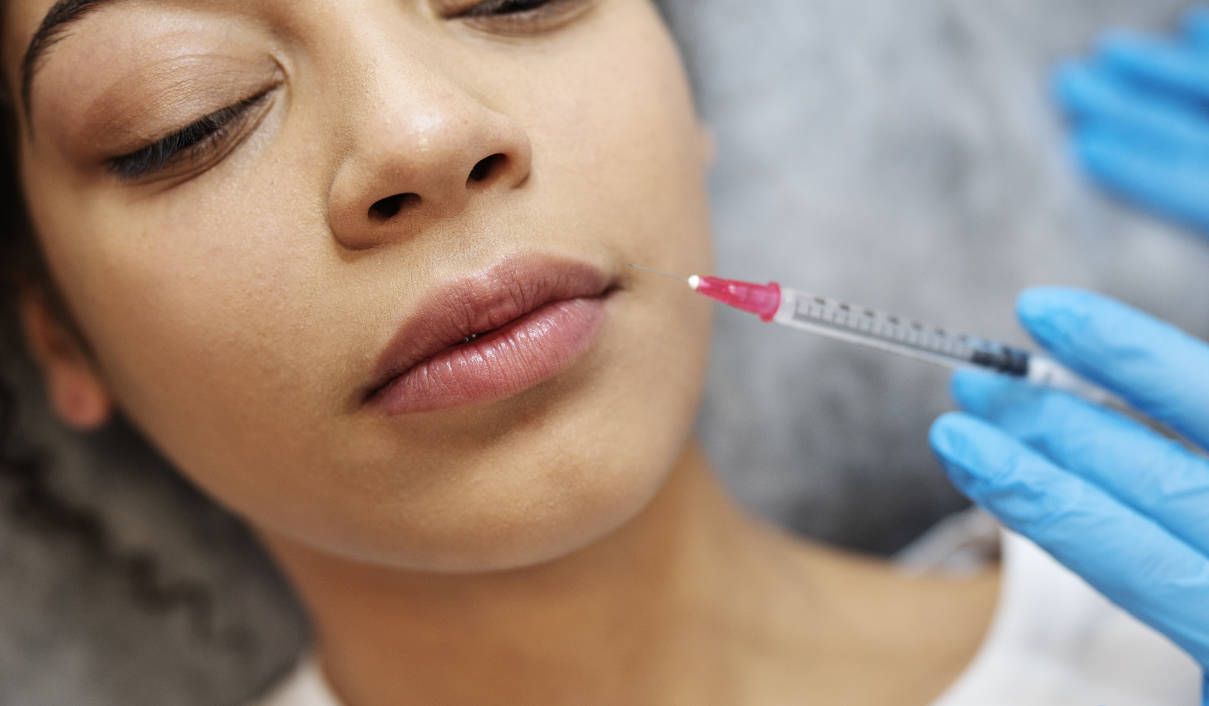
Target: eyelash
point(520, 16)
point(187, 143)
point(505, 7)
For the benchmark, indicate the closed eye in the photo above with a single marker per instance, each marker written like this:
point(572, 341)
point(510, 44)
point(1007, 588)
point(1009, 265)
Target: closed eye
point(210, 133)
point(522, 16)
point(504, 7)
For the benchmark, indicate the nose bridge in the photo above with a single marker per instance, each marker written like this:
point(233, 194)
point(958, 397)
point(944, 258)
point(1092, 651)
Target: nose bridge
point(412, 108)
point(420, 145)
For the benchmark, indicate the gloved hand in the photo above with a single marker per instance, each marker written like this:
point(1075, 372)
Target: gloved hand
point(1119, 504)
point(1139, 111)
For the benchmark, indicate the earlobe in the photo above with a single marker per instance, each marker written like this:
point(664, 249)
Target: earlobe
point(79, 399)
point(74, 387)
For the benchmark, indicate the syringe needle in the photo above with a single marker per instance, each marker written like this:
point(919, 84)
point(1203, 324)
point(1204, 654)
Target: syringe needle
point(661, 274)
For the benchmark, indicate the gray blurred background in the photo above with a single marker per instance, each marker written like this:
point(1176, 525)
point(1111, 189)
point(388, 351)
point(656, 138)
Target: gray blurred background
point(900, 155)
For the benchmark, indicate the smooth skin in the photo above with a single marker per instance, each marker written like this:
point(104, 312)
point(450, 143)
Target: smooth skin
point(566, 545)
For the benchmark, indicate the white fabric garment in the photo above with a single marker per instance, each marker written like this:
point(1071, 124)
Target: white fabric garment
point(304, 687)
point(1053, 641)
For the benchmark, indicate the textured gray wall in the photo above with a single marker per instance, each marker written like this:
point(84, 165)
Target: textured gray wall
point(902, 155)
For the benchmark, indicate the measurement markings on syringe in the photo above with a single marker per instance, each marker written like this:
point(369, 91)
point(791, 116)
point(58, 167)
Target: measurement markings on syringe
point(841, 317)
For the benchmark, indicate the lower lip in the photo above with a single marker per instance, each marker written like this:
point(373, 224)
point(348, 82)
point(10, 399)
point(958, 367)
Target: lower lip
point(526, 352)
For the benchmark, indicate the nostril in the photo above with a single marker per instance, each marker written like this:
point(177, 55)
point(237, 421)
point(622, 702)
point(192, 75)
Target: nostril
point(389, 207)
point(487, 168)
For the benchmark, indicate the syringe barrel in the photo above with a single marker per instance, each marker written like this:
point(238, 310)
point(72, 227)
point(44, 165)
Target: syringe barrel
point(896, 334)
point(877, 329)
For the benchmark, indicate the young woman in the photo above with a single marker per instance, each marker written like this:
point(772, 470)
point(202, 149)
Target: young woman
point(360, 270)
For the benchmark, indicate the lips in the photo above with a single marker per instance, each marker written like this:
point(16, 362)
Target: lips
point(490, 336)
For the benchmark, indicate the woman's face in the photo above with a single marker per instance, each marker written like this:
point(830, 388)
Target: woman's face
point(262, 214)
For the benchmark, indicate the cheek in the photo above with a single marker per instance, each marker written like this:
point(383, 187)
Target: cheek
point(223, 301)
point(627, 148)
point(206, 314)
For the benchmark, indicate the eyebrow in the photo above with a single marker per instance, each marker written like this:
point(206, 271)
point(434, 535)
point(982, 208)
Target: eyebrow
point(53, 28)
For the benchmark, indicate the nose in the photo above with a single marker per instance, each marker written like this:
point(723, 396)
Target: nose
point(421, 151)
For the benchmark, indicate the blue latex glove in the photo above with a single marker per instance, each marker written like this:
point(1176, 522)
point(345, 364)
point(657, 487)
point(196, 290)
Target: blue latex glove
point(1122, 506)
point(1139, 111)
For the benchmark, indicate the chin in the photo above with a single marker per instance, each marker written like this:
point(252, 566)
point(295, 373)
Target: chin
point(524, 519)
point(573, 479)
point(554, 533)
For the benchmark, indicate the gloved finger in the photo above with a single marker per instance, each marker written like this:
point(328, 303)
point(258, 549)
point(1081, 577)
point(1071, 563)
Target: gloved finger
point(1196, 28)
point(1137, 121)
point(1157, 63)
point(1157, 368)
point(1172, 184)
point(1155, 476)
point(1129, 558)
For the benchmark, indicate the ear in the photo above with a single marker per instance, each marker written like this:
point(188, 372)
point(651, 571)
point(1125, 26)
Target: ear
point(76, 391)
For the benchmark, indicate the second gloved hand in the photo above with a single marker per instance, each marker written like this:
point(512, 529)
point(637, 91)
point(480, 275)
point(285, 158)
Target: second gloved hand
point(1140, 119)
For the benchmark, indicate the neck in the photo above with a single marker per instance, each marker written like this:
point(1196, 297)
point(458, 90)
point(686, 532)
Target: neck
point(654, 601)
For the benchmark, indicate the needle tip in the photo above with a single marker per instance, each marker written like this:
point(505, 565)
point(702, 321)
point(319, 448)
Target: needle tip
point(661, 274)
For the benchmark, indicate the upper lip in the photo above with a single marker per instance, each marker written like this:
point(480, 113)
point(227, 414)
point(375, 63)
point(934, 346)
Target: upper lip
point(482, 303)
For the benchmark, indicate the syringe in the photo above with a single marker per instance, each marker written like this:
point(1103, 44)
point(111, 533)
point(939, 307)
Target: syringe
point(887, 332)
